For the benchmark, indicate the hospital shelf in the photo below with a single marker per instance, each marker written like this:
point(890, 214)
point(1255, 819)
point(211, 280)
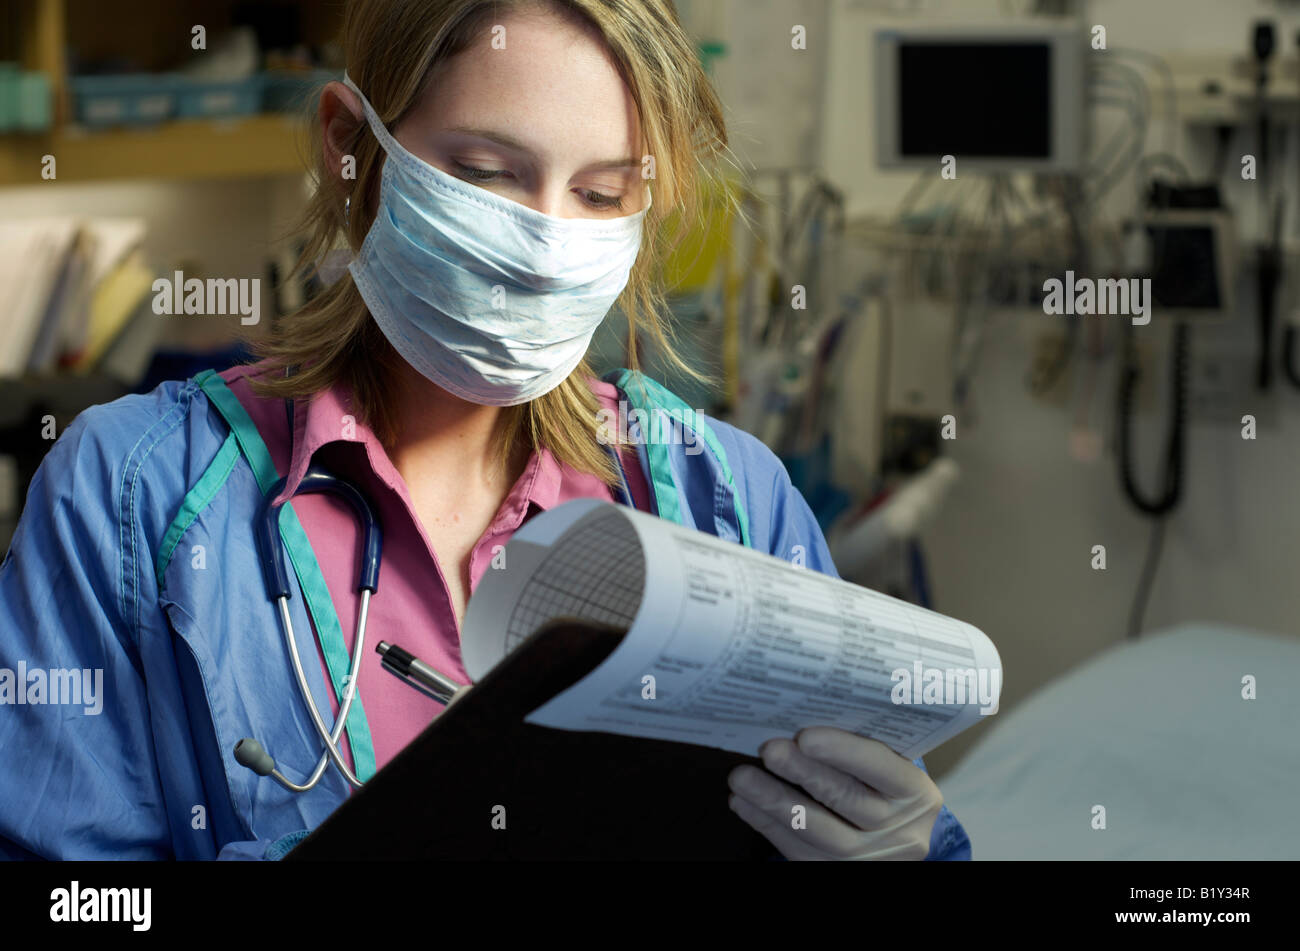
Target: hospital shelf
point(268, 144)
point(44, 31)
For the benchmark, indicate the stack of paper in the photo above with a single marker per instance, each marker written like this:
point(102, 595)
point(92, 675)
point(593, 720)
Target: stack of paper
point(71, 286)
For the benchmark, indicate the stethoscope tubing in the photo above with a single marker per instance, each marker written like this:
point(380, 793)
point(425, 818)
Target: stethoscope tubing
point(349, 691)
point(317, 479)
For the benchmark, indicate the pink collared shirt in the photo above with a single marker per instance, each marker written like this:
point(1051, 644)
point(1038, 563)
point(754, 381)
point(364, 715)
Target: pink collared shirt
point(412, 607)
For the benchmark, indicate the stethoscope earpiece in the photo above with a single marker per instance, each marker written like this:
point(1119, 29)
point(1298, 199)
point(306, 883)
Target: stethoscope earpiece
point(249, 752)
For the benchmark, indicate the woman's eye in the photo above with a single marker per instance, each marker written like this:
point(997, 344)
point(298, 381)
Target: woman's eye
point(599, 200)
point(593, 198)
point(478, 174)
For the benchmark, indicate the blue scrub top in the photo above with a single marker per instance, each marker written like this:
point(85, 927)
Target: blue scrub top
point(135, 555)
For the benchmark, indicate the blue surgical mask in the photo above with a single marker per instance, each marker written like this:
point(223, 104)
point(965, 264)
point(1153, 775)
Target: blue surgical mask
point(491, 300)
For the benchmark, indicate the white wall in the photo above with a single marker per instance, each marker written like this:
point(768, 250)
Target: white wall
point(772, 91)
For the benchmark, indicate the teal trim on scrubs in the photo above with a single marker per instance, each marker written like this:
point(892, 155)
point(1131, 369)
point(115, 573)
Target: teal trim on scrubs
point(662, 482)
point(314, 590)
point(196, 500)
point(285, 844)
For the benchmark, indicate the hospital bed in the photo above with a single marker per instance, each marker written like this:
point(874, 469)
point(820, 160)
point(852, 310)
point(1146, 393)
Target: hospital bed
point(1158, 732)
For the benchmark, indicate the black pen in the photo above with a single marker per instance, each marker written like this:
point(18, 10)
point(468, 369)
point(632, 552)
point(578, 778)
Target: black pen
point(417, 673)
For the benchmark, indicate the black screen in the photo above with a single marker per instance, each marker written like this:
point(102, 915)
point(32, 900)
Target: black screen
point(975, 100)
point(1183, 272)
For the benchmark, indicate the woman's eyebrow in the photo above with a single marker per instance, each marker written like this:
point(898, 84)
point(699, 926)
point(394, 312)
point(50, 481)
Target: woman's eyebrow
point(498, 137)
point(614, 164)
point(510, 142)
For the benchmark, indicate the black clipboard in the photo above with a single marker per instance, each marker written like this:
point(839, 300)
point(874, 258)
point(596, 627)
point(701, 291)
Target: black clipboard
point(567, 795)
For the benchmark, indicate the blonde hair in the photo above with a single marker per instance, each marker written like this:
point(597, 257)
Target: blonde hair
point(392, 48)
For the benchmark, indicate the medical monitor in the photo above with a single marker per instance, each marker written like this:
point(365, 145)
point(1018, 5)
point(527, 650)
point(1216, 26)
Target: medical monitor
point(1001, 97)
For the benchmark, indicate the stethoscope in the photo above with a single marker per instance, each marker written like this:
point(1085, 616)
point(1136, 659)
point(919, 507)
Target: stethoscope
point(248, 751)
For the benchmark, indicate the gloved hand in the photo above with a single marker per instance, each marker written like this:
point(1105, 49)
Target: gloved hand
point(861, 799)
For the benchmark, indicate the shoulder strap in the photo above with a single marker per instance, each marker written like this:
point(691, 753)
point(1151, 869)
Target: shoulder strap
point(645, 394)
point(314, 590)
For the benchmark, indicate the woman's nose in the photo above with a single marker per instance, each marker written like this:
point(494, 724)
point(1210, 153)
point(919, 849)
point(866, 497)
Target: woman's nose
point(549, 200)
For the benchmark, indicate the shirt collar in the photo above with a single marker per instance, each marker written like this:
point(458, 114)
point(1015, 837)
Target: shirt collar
point(323, 418)
point(328, 416)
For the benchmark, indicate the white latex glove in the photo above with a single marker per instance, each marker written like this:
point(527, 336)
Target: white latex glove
point(861, 799)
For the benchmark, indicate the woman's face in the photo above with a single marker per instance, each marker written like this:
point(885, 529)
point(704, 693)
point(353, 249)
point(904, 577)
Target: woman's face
point(546, 121)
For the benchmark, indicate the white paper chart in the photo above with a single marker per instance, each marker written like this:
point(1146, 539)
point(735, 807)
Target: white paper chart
point(727, 647)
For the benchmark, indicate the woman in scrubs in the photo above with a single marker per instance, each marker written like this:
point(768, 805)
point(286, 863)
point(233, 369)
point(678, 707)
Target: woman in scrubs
point(501, 174)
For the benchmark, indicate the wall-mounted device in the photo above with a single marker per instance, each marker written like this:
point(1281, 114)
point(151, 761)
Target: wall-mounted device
point(1192, 248)
point(1193, 266)
point(1001, 96)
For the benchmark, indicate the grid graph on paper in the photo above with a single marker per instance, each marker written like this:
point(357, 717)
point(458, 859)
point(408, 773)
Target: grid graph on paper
point(595, 573)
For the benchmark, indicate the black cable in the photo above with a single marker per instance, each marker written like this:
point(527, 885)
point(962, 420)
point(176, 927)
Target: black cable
point(1263, 41)
point(1137, 613)
point(1267, 278)
point(1268, 272)
point(1289, 369)
point(1224, 136)
point(1172, 476)
point(1288, 356)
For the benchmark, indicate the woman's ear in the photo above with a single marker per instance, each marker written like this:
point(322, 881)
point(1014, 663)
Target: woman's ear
point(340, 113)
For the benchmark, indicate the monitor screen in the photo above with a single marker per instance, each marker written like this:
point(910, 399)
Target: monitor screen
point(974, 100)
point(1184, 267)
